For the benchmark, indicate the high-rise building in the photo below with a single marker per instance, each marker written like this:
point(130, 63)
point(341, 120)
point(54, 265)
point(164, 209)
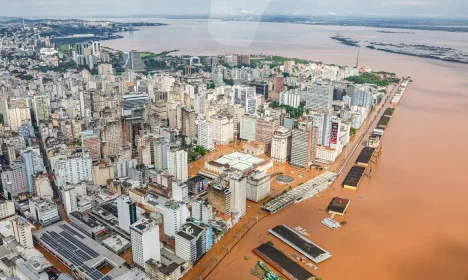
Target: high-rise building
point(261, 88)
point(265, 129)
point(96, 48)
point(189, 127)
point(69, 194)
point(132, 61)
point(92, 143)
point(126, 210)
point(248, 128)
point(7, 208)
point(41, 107)
point(238, 186)
point(144, 236)
point(291, 99)
point(33, 163)
point(279, 84)
point(179, 191)
point(175, 216)
point(177, 164)
point(14, 180)
point(302, 150)
point(190, 242)
point(320, 98)
point(258, 185)
point(22, 232)
point(245, 96)
point(222, 129)
point(202, 211)
point(322, 122)
point(205, 135)
point(43, 211)
point(112, 137)
point(72, 169)
point(281, 145)
point(219, 197)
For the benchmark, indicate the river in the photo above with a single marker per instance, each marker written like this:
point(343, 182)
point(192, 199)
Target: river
point(409, 220)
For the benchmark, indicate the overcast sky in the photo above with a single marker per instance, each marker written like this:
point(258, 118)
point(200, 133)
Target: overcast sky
point(81, 8)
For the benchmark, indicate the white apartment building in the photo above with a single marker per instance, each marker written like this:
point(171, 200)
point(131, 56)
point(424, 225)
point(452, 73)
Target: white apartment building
point(248, 128)
point(72, 169)
point(319, 98)
point(302, 148)
point(43, 211)
point(22, 231)
point(175, 216)
point(70, 195)
point(180, 191)
point(7, 209)
point(144, 236)
point(281, 145)
point(190, 242)
point(238, 187)
point(205, 135)
point(222, 128)
point(177, 164)
point(290, 98)
point(126, 210)
point(33, 164)
point(202, 211)
point(258, 186)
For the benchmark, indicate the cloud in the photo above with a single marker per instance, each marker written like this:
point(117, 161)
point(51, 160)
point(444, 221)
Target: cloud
point(331, 14)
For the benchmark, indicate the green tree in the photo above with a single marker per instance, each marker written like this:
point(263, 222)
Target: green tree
point(352, 131)
point(201, 150)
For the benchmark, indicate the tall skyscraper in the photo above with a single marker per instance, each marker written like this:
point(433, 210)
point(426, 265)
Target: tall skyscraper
point(175, 216)
point(190, 242)
point(14, 180)
point(320, 98)
point(247, 97)
point(302, 150)
point(238, 187)
point(177, 164)
point(41, 107)
point(96, 48)
point(22, 232)
point(205, 135)
point(92, 142)
point(145, 242)
point(202, 211)
point(222, 128)
point(126, 212)
point(33, 164)
point(72, 169)
point(281, 145)
point(258, 185)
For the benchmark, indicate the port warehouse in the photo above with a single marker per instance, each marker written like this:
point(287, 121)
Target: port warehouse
point(300, 244)
point(309, 188)
point(338, 206)
point(365, 156)
point(289, 268)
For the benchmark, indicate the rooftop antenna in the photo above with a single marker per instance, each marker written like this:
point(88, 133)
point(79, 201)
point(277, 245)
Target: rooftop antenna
point(357, 60)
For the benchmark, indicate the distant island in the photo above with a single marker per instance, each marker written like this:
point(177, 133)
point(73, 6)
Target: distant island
point(433, 52)
point(394, 32)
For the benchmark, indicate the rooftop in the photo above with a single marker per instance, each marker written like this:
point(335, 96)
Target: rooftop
point(81, 252)
point(239, 161)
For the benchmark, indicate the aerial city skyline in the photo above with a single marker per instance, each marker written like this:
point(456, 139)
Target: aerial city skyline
point(246, 140)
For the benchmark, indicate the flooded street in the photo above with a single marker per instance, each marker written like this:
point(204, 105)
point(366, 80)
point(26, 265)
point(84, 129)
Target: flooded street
point(408, 221)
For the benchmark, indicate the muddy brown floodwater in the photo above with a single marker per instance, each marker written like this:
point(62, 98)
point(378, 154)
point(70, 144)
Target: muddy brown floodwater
point(409, 221)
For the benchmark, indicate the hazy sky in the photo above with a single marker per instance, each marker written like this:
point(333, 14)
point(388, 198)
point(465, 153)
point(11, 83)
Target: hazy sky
point(68, 8)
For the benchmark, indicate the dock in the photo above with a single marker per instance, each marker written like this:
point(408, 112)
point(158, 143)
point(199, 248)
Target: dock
point(354, 177)
point(279, 261)
point(300, 244)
